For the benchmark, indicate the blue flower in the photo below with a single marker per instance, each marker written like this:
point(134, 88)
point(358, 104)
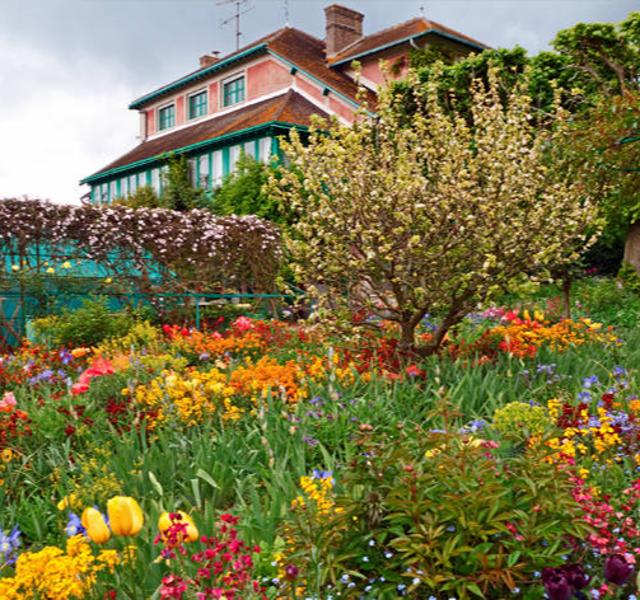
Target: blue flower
point(588, 382)
point(9, 544)
point(584, 397)
point(319, 474)
point(546, 369)
point(74, 526)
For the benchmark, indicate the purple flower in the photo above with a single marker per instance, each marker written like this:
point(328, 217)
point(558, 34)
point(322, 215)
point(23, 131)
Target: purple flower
point(576, 576)
point(616, 569)
point(291, 571)
point(310, 441)
point(589, 382)
point(556, 584)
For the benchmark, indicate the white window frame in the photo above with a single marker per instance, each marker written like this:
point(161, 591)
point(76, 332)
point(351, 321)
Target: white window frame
point(188, 104)
point(231, 79)
point(175, 115)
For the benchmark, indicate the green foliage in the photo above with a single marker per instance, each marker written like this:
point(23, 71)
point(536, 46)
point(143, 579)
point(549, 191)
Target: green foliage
point(629, 278)
point(90, 324)
point(178, 192)
point(243, 192)
point(144, 197)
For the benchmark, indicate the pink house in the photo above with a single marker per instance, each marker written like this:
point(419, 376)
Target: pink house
point(243, 102)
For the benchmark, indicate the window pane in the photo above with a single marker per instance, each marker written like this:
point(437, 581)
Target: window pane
point(250, 149)
point(265, 150)
point(166, 117)
point(234, 155)
point(217, 168)
point(203, 171)
point(233, 92)
point(155, 180)
point(133, 183)
point(198, 105)
point(191, 165)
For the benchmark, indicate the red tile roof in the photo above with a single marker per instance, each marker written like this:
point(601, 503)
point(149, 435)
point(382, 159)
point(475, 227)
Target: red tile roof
point(295, 46)
point(402, 31)
point(290, 107)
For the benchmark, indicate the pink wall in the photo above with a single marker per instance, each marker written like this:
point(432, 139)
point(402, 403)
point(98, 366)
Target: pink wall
point(396, 56)
point(340, 109)
point(330, 101)
point(151, 122)
point(266, 77)
point(180, 118)
point(310, 89)
point(213, 97)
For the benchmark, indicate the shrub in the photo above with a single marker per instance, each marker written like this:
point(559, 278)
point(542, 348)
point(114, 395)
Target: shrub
point(520, 420)
point(89, 325)
point(434, 513)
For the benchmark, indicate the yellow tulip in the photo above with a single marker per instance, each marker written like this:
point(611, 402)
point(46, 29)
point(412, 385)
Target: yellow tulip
point(164, 522)
point(94, 523)
point(125, 515)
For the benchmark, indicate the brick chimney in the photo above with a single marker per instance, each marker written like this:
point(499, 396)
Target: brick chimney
point(207, 60)
point(344, 26)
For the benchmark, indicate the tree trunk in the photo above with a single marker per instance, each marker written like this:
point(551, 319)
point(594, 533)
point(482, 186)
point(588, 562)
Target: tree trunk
point(632, 246)
point(407, 337)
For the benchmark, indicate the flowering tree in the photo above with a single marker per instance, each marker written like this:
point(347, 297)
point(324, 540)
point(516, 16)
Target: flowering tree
point(430, 212)
point(151, 247)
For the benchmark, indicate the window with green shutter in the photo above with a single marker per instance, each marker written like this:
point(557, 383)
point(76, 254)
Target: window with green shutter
point(198, 105)
point(166, 117)
point(233, 92)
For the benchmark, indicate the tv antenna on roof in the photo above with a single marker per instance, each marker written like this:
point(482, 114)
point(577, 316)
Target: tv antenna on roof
point(242, 8)
point(286, 13)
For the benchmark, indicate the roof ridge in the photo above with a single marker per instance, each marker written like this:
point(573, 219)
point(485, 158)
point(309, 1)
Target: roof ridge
point(285, 99)
point(307, 35)
point(379, 32)
point(396, 26)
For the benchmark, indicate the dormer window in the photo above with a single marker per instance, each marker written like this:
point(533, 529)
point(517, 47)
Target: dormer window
point(167, 117)
point(233, 91)
point(198, 105)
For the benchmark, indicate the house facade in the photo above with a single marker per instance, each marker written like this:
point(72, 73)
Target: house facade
point(245, 101)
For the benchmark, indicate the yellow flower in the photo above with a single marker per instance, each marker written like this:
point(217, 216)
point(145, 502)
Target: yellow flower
point(164, 523)
point(7, 455)
point(94, 523)
point(69, 501)
point(125, 515)
point(51, 270)
point(66, 264)
point(15, 268)
point(108, 280)
point(79, 352)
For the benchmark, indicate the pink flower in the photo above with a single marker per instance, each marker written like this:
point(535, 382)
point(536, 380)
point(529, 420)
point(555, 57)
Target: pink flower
point(242, 324)
point(8, 402)
point(98, 368)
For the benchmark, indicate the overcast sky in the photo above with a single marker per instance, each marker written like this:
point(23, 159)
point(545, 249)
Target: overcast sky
point(69, 68)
